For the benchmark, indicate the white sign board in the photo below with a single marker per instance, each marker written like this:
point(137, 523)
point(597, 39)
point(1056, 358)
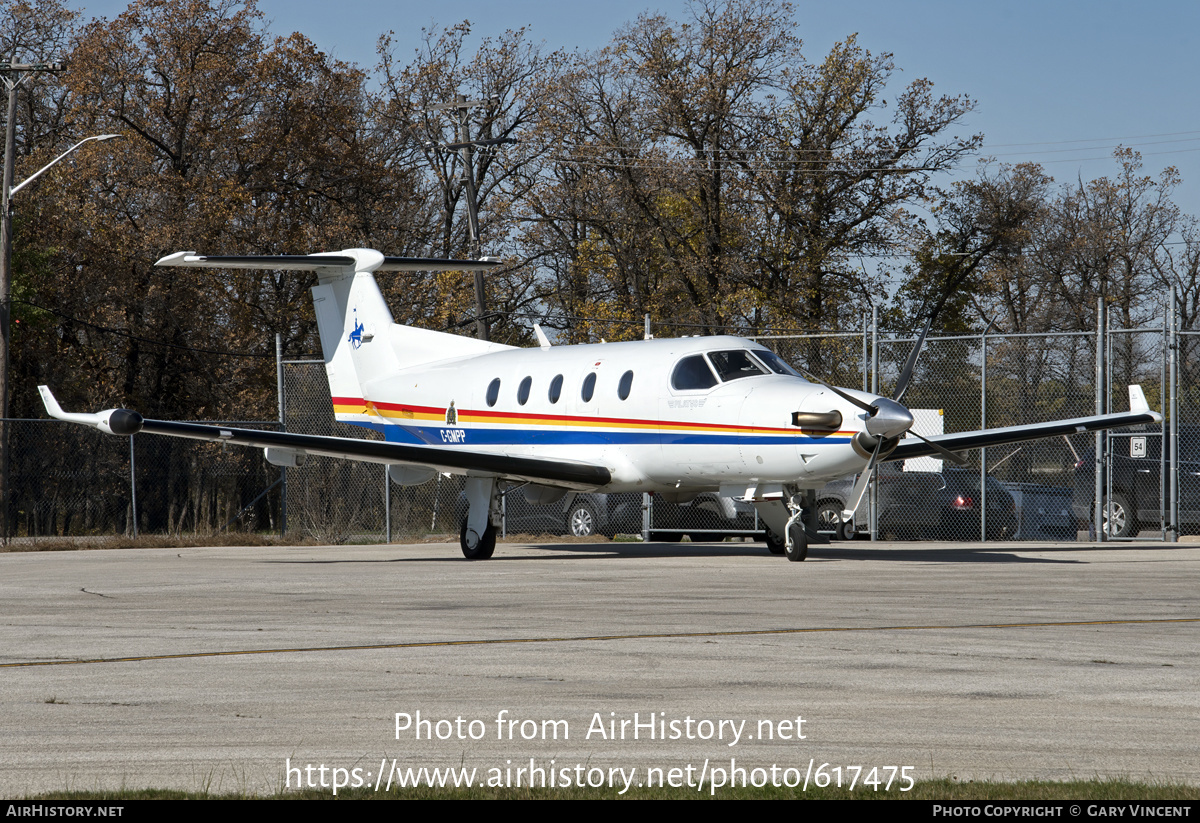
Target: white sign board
point(929, 423)
point(1137, 447)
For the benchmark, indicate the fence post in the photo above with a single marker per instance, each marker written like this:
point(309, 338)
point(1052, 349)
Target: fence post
point(1173, 529)
point(983, 426)
point(873, 504)
point(1098, 483)
point(133, 487)
point(282, 428)
point(387, 505)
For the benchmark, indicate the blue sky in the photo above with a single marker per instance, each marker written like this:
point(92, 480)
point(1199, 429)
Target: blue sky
point(1058, 83)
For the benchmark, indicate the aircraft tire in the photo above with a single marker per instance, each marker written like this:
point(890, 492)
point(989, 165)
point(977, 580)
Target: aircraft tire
point(775, 543)
point(486, 547)
point(798, 550)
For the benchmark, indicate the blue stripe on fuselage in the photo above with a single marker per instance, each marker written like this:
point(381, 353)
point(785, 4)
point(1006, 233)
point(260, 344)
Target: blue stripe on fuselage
point(467, 436)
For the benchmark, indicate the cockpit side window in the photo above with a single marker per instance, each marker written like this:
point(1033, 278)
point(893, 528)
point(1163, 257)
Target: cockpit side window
point(731, 365)
point(692, 373)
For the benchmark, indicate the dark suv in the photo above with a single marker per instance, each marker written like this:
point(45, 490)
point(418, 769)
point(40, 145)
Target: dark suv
point(1137, 471)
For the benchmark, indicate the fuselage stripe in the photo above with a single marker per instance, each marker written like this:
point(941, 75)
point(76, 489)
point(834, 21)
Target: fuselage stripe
point(399, 413)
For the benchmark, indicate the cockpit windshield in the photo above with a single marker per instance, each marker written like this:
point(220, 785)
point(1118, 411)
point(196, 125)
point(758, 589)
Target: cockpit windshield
point(775, 363)
point(731, 365)
point(703, 371)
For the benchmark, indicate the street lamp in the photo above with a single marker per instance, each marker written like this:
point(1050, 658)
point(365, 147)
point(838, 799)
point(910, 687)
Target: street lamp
point(40, 171)
point(6, 195)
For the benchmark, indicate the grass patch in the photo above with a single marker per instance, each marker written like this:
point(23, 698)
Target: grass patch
point(151, 541)
point(944, 789)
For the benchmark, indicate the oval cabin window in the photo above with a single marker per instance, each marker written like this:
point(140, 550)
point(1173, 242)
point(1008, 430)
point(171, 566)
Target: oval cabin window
point(555, 388)
point(523, 390)
point(493, 392)
point(626, 384)
point(589, 387)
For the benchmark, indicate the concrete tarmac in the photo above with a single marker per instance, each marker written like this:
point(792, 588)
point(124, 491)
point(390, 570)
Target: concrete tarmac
point(221, 668)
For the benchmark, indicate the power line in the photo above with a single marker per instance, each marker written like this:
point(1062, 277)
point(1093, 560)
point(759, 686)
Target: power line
point(140, 339)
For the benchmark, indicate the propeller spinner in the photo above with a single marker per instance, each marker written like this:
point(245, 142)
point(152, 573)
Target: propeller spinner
point(886, 420)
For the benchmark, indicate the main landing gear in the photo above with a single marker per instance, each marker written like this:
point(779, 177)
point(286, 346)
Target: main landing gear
point(477, 538)
point(475, 547)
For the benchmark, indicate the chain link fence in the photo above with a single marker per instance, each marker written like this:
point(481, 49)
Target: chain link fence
point(70, 481)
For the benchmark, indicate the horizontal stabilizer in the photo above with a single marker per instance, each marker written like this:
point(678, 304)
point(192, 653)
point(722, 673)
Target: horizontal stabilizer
point(313, 262)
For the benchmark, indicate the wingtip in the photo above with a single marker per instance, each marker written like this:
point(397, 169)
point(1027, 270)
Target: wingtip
point(49, 401)
point(179, 258)
point(1137, 400)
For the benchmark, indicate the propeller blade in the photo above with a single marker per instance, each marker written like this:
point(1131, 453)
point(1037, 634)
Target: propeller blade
point(867, 407)
point(860, 488)
point(906, 375)
point(953, 457)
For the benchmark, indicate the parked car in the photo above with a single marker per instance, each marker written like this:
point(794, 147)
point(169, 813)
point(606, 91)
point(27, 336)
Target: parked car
point(960, 505)
point(707, 516)
point(941, 505)
point(578, 515)
point(1137, 469)
point(1043, 512)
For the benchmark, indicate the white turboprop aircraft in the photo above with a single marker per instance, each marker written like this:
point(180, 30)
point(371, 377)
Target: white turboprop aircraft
point(674, 416)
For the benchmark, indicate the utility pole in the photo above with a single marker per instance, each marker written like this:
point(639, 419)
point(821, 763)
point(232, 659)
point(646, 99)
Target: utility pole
point(14, 74)
point(466, 149)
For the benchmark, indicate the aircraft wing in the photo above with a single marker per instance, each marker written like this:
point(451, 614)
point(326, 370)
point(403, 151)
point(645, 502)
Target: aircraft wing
point(571, 474)
point(313, 262)
point(1016, 434)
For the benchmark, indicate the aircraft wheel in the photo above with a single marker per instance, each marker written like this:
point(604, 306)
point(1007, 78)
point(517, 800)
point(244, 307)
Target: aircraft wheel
point(799, 548)
point(486, 546)
point(775, 543)
point(581, 521)
point(1118, 517)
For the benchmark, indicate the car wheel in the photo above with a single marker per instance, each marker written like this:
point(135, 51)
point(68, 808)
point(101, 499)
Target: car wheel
point(581, 521)
point(1118, 517)
point(829, 520)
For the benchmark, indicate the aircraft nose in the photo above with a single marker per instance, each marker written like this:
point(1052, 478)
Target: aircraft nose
point(890, 420)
